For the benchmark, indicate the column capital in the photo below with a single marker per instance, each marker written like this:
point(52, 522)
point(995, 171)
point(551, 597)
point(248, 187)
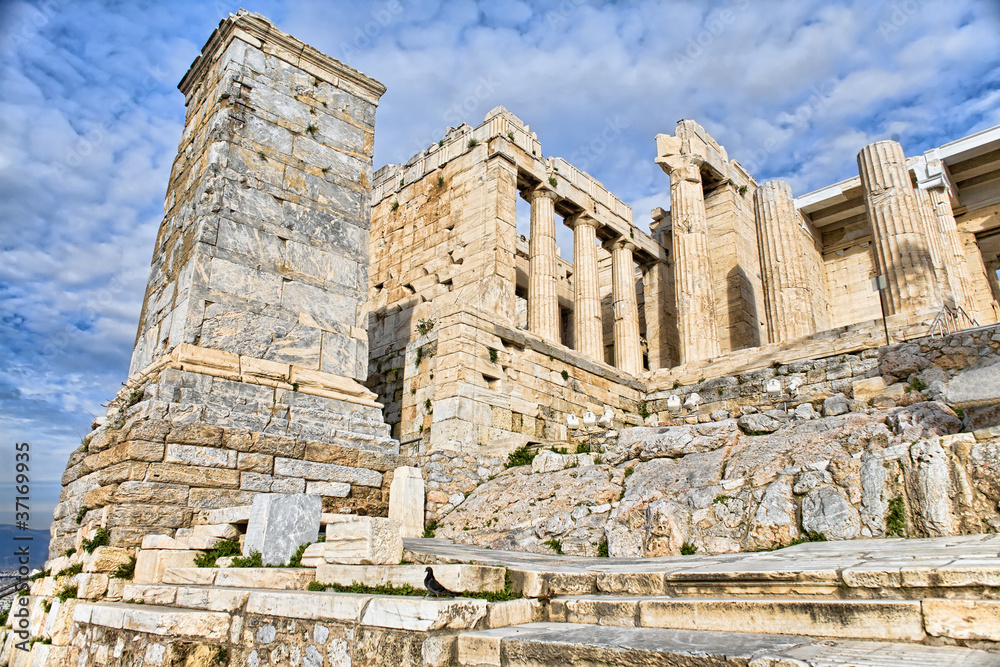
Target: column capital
point(622, 243)
point(583, 219)
point(542, 190)
point(681, 167)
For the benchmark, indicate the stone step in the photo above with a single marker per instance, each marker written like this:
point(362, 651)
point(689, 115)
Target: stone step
point(574, 644)
point(894, 620)
point(277, 578)
point(386, 611)
point(955, 567)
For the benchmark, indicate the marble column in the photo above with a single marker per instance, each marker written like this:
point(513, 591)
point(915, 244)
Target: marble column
point(787, 294)
point(587, 325)
point(543, 301)
point(899, 244)
point(628, 352)
point(933, 238)
point(953, 253)
point(696, 320)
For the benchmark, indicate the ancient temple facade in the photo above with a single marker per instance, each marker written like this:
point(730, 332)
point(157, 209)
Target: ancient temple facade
point(483, 340)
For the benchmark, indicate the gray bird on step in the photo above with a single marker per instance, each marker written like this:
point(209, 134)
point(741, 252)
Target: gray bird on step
point(434, 587)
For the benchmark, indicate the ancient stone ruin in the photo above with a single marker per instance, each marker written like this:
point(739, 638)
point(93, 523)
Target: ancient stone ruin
point(696, 444)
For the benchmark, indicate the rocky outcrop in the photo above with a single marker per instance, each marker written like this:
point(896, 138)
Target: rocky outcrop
point(718, 488)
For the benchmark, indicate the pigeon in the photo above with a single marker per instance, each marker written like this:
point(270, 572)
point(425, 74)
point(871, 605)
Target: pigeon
point(434, 586)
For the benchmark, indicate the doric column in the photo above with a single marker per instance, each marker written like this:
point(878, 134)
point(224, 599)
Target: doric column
point(933, 238)
point(543, 302)
point(899, 244)
point(953, 254)
point(787, 295)
point(587, 325)
point(628, 353)
point(696, 323)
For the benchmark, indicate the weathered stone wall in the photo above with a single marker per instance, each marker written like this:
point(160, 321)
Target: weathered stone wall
point(148, 474)
point(266, 227)
point(889, 460)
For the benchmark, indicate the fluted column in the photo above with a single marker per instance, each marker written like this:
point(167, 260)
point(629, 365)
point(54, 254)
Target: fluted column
point(587, 325)
point(543, 303)
point(628, 352)
point(900, 246)
point(956, 265)
point(933, 239)
point(696, 324)
point(787, 295)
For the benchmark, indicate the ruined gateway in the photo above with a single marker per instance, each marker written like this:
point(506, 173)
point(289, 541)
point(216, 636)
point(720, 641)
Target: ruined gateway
point(720, 383)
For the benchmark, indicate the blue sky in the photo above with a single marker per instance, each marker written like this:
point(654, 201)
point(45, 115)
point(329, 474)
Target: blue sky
point(90, 119)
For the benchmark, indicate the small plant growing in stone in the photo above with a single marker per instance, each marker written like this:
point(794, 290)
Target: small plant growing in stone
point(222, 655)
point(402, 182)
point(311, 129)
point(296, 560)
point(721, 498)
point(394, 205)
point(565, 375)
point(418, 357)
point(38, 575)
point(494, 355)
point(960, 413)
point(76, 568)
point(895, 518)
point(101, 539)
point(676, 384)
point(262, 156)
point(325, 170)
point(473, 142)
point(430, 528)
point(125, 570)
point(221, 550)
point(644, 410)
point(628, 472)
point(425, 326)
point(602, 548)
point(555, 545)
point(743, 190)
point(916, 385)
point(583, 448)
point(69, 552)
point(440, 181)
point(552, 181)
point(46, 606)
point(597, 460)
point(688, 549)
point(522, 456)
point(510, 135)
point(253, 560)
point(85, 441)
point(428, 406)
point(67, 593)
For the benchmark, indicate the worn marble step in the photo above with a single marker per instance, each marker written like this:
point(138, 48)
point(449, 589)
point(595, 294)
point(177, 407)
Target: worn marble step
point(388, 611)
point(954, 567)
point(893, 620)
point(537, 644)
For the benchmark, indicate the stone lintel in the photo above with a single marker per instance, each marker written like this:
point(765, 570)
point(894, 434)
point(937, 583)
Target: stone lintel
point(259, 32)
point(241, 368)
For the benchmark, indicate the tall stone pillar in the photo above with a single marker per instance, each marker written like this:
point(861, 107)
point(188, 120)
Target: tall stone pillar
point(787, 295)
point(543, 300)
point(953, 253)
point(696, 323)
point(628, 353)
point(934, 245)
point(587, 325)
point(901, 249)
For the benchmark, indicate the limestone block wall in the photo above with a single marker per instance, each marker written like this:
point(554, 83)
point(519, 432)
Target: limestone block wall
point(849, 274)
point(150, 469)
point(266, 225)
point(735, 265)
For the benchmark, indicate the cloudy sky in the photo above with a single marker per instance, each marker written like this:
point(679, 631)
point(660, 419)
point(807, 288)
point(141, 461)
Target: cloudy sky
point(90, 119)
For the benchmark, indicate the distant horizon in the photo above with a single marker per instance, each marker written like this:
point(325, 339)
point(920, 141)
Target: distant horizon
point(92, 120)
